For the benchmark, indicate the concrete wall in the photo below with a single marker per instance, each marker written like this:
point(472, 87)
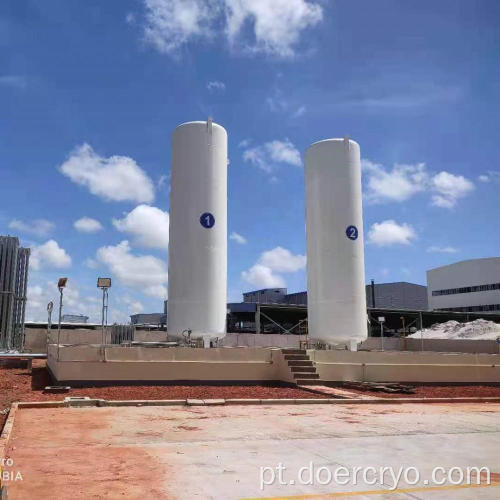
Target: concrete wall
point(433, 345)
point(261, 340)
point(36, 338)
point(36, 341)
point(92, 363)
point(406, 366)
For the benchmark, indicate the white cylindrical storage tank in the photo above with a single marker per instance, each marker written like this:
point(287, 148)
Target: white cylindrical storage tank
point(336, 297)
point(197, 263)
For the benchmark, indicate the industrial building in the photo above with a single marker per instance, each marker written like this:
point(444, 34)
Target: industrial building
point(14, 262)
point(148, 319)
point(266, 296)
point(398, 295)
point(465, 286)
point(74, 318)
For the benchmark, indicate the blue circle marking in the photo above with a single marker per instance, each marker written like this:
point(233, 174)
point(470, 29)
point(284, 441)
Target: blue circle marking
point(207, 220)
point(352, 232)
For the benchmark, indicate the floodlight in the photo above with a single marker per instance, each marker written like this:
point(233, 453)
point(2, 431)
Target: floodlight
point(103, 282)
point(62, 282)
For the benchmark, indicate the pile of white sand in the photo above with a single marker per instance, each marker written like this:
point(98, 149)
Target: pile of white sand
point(478, 329)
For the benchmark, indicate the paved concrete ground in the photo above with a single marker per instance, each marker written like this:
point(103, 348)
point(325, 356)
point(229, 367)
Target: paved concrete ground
point(216, 452)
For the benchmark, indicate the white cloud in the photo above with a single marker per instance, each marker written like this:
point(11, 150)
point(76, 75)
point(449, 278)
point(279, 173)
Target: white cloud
point(49, 255)
point(271, 153)
point(436, 249)
point(490, 176)
point(162, 181)
point(405, 181)
point(278, 260)
point(275, 26)
point(282, 260)
point(238, 238)
point(148, 225)
point(450, 188)
point(299, 112)
point(262, 276)
point(398, 184)
point(244, 143)
point(277, 102)
point(145, 273)
point(133, 306)
point(117, 178)
point(389, 232)
point(38, 227)
point(170, 24)
point(91, 263)
point(130, 18)
point(216, 86)
point(87, 225)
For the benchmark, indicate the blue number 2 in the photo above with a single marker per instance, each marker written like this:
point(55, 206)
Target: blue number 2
point(352, 232)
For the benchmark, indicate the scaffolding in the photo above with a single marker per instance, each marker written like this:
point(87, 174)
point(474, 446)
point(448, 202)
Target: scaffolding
point(14, 262)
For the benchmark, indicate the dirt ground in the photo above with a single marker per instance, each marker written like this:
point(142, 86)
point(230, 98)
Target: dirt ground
point(182, 452)
point(17, 384)
point(439, 391)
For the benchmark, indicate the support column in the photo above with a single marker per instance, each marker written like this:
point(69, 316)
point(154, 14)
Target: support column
point(257, 319)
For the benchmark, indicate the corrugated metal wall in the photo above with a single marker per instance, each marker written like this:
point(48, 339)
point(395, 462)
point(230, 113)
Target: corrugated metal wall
point(14, 262)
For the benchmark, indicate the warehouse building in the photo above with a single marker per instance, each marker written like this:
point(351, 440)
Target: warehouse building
point(148, 319)
point(465, 286)
point(74, 318)
point(399, 295)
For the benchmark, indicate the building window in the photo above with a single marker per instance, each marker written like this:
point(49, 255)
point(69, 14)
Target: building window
point(482, 308)
point(467, 289)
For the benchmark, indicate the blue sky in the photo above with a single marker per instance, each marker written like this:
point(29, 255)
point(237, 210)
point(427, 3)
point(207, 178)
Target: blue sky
point(91, 91)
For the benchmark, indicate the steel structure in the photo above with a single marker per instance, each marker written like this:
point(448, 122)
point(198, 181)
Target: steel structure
point(14, 262)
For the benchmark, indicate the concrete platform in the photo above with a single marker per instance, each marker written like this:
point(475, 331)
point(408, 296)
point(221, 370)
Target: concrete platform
point(217, 451)
point(73, 365)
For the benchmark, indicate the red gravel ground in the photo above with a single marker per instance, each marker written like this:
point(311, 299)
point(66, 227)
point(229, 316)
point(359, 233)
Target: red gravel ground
point(17, 384)
point(438, 391)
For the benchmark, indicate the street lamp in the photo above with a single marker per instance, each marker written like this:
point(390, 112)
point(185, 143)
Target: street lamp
point(50, 308)
point(381, 320)
point(60, 284)
point(104, 284)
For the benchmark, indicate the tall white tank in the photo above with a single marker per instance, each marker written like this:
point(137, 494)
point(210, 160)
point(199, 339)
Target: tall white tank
point(335, 256)
point(197, 263)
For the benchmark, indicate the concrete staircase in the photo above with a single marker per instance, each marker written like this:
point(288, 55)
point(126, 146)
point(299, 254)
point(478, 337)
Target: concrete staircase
point(302, 368)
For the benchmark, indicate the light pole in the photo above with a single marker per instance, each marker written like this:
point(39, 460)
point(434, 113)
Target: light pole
point(50, 307)
point(60, 284)
point(381, 320)
point(104, 284)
